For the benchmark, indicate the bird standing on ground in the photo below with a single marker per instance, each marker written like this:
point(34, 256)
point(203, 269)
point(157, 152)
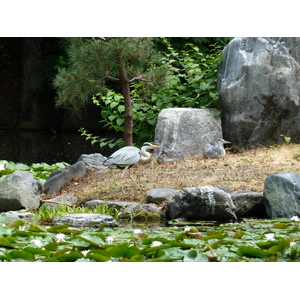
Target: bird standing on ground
point(215, 150)
point(128, 156)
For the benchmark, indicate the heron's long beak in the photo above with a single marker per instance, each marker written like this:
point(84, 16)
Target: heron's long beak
point(155, 146)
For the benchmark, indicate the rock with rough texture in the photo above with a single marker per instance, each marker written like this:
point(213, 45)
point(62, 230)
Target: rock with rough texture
point(249, 204)
point(20, 190)
point(159, 195)
point(130, 210)
point(93, 161)
point(85, 220)
point(259, 91)
point(282, 195)
point(66, 199)
point(59, 177)
point(183, 131)
point(201, 203)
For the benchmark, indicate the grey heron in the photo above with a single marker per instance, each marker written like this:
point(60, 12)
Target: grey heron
point(215, 150)
point(128, 156)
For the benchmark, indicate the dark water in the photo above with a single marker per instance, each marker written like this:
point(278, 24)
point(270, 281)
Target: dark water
point(44, 146)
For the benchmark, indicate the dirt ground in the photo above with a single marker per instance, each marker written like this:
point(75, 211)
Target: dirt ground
point(237, 171)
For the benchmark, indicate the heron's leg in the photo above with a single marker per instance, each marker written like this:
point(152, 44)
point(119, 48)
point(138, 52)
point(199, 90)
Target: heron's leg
point(135, 183)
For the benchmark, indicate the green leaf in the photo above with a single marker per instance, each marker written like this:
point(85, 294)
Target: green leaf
point(16, 223)
point(120, 121)
point(113, 105)
point(119, 250)
point(57, 228)
point(22, 167)
point(195, 256)
point(253, 252)
point(4, 242)
point(21, 254)
point(10, 165)
point(35, 228)
point(121, 108)
point(280, 226)
point(34, 250)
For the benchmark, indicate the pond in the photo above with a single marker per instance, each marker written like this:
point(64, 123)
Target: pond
point(250, 240)
point(30, 147)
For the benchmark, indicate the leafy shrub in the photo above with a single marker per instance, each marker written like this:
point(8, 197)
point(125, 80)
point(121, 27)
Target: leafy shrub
point(191, 82)
point(40, 171)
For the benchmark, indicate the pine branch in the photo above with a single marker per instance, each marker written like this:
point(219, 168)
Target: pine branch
point(141, 78)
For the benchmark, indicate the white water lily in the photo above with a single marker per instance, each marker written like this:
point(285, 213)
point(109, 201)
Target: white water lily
point(270, 236)
point(84, 252)
point(2, 167)
point(295, 218)
point(187, 228)
point(60, 237)
point(38, 243)
point(156, 243)
point(137, 231)
point(109, 239)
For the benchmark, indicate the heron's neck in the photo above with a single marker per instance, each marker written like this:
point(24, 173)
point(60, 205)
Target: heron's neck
point(145, 154)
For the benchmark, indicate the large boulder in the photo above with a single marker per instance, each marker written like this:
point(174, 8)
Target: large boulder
point(201, 203)
point(58, 178)
point(184, 131)
point(259, 91)
point(282, 195)
point(20, 190)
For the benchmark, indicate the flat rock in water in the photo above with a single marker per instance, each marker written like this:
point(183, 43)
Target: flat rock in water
point(130, 210)
point(282, 195)
point(85, 220)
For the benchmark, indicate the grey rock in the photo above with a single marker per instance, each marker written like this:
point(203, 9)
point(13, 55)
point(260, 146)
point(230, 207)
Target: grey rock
point(93, 161)
point(249, 204)
point(17, 215)
point(201, 203)
point(159, 195)
point(118, 205)
point(282, 195)
point(259, 91)
point(85, 220)
point(59, 177)
point(183, 131)
point(130, 210)
point(20, 190)
point(66, 199)
point(168, 156)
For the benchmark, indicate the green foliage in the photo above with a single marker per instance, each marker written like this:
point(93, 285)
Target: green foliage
point(46, 214)
point(248, 241)
point(190, 82)
point(40, 171)
point(193, 78)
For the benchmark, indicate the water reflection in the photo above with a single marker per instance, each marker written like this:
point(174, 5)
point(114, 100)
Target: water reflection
point(42, 146)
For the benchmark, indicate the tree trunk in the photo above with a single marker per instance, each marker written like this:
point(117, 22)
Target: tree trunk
point(128, 116)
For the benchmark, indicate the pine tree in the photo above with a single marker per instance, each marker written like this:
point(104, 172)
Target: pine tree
point(96, 62)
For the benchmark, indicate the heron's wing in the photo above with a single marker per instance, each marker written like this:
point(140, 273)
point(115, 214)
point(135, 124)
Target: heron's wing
point(211, 150)
point(124, 157)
